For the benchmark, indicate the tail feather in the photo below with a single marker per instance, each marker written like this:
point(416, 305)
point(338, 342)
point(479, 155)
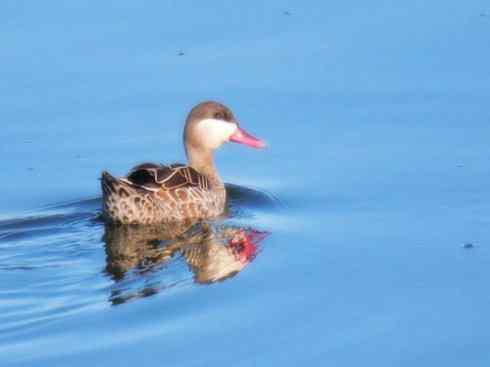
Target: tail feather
point(109, 183)
point(121, 202)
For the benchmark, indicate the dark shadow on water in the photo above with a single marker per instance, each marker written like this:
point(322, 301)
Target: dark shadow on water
point(241, 196)
point(43, 221)
point(57, 217)
point(37, 226)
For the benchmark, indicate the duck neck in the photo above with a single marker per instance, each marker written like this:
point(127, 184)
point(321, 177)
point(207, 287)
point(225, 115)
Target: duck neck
point(202, 160)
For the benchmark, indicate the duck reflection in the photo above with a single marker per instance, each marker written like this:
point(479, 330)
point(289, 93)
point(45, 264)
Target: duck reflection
point(212, 254)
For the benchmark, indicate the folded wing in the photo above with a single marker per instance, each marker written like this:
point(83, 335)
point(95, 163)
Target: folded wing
point(156, 177)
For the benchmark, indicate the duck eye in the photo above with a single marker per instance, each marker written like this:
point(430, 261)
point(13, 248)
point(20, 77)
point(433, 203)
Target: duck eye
point(219, 116)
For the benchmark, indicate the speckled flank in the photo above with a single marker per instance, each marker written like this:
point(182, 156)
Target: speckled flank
point(127, 204)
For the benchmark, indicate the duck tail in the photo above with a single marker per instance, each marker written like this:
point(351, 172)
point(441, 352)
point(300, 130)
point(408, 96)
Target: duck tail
point(116, 206)
point(109, 184)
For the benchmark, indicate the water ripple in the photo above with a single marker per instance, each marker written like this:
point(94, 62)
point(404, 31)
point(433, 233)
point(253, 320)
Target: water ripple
point(64, 260)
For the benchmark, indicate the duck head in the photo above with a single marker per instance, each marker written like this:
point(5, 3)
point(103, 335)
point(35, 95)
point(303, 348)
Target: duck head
point(211, 124)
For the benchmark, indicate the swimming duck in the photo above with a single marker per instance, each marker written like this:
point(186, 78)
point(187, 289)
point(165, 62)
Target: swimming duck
point(153, 193)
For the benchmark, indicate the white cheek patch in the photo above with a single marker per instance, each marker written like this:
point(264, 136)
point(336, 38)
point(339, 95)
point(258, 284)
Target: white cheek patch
point(216, 132)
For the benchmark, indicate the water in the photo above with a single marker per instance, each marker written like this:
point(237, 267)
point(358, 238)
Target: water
point(360, 210)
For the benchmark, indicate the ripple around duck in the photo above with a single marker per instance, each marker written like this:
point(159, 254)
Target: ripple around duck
point(63, 260)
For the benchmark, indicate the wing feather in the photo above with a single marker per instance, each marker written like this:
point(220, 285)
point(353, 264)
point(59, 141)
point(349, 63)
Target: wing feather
point(153, 177)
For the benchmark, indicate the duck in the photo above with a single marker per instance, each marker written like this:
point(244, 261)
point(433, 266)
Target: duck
point(154, 193)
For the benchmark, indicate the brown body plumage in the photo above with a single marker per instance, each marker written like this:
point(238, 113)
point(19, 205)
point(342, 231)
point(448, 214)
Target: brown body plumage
point(153, 193)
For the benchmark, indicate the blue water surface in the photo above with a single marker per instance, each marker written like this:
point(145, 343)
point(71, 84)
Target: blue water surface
point(373, 196)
